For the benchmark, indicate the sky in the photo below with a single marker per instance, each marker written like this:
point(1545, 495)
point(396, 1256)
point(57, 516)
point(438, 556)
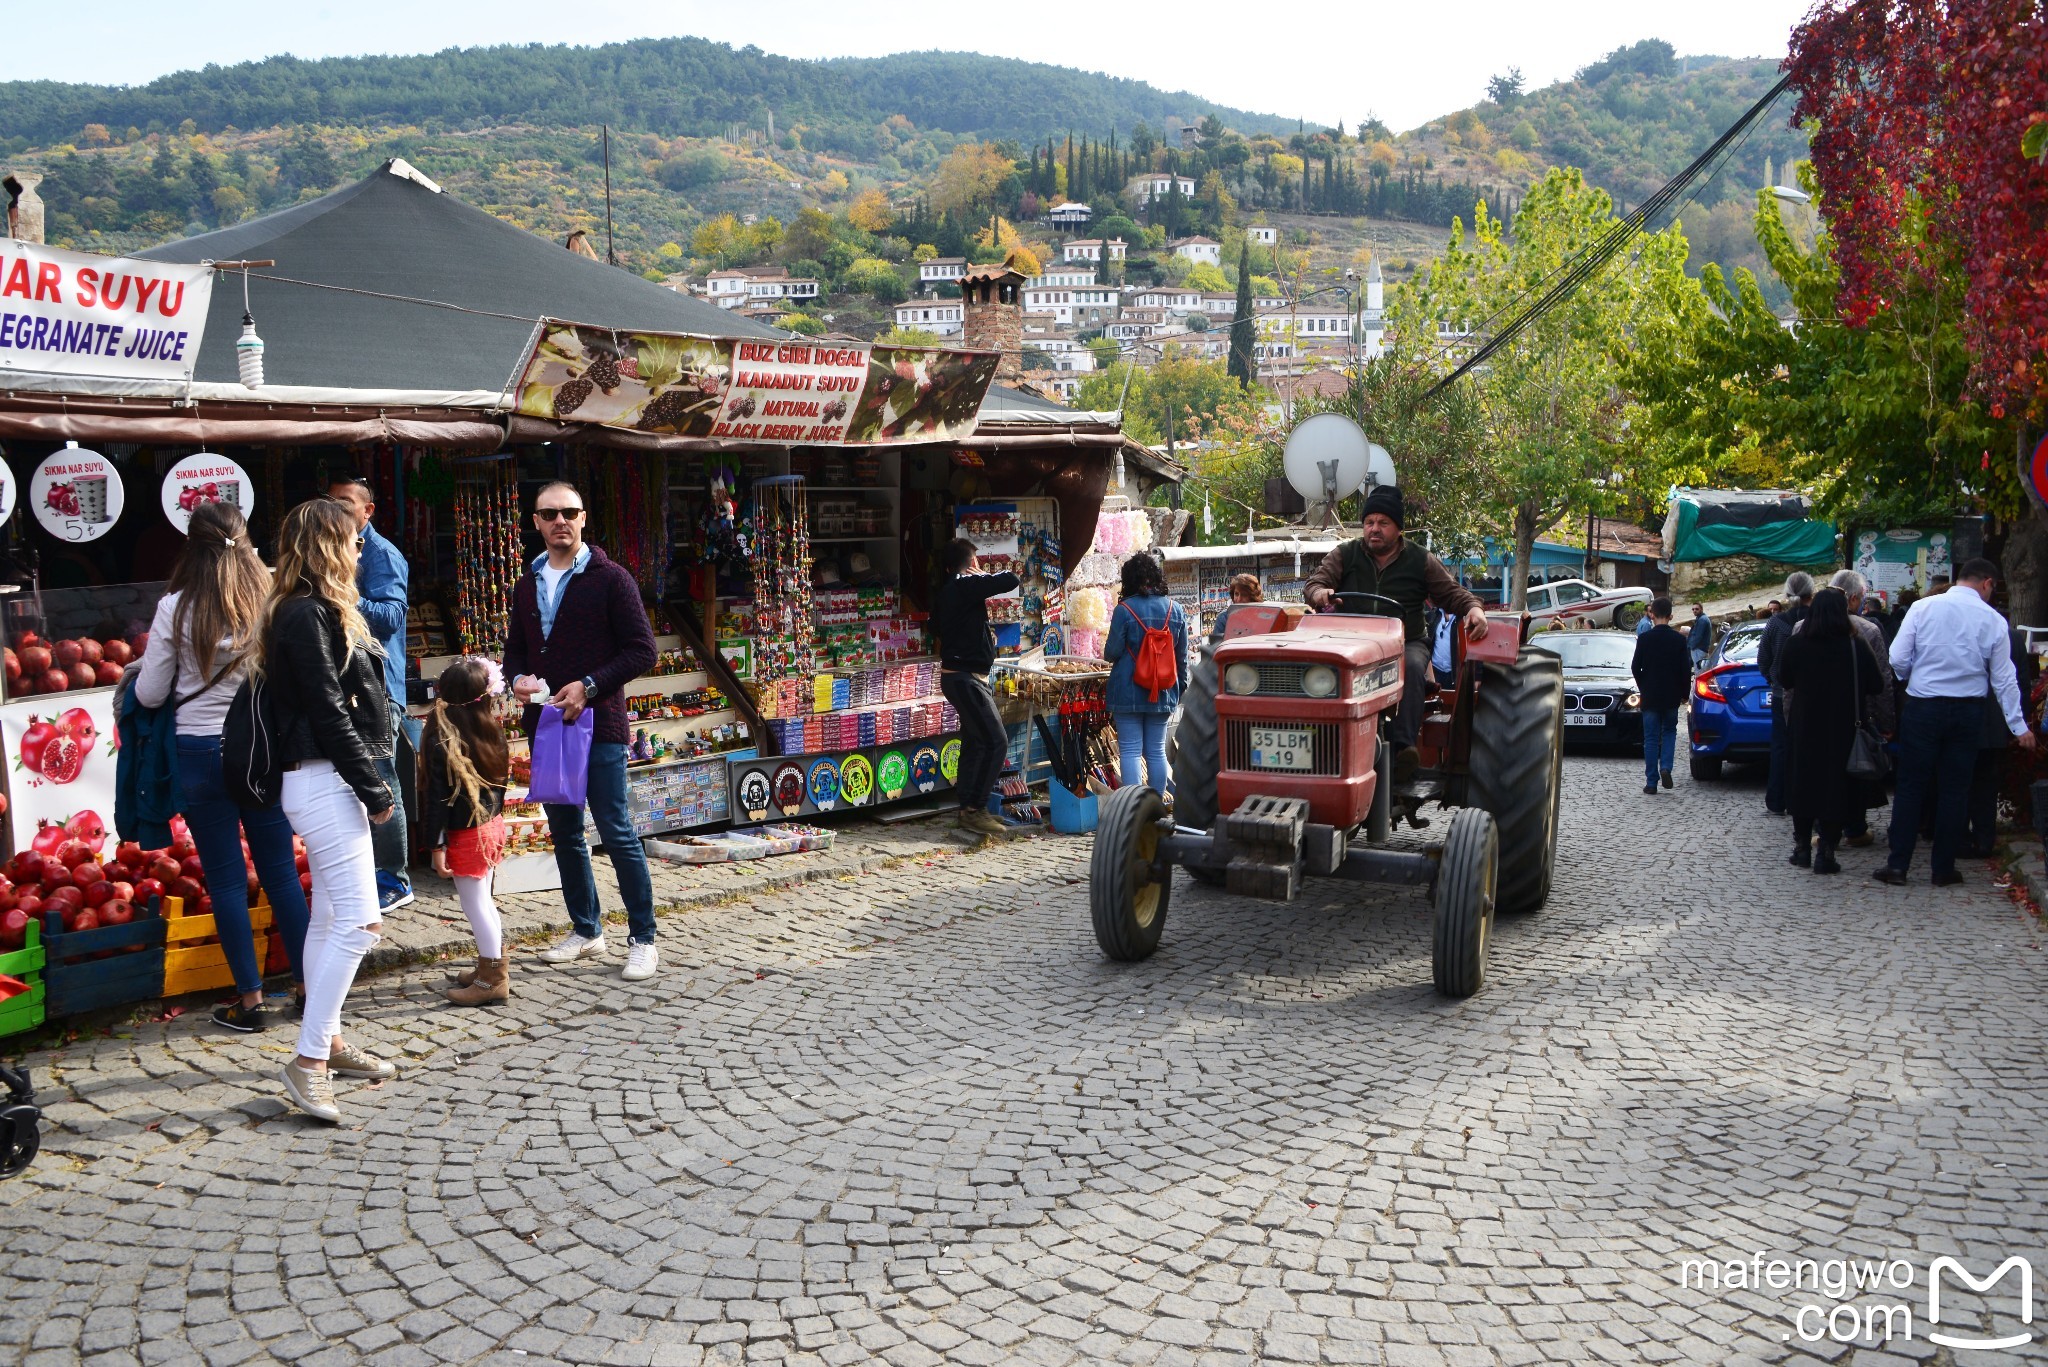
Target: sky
point(1316, 59)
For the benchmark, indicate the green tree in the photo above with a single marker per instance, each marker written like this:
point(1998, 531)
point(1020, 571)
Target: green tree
point(1551, 399)
point(1198, 392)
point(1244, 329)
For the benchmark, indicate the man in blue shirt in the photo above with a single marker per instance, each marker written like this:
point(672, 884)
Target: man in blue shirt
point(381, 576)
point(1953, 651)
point(1699, 640)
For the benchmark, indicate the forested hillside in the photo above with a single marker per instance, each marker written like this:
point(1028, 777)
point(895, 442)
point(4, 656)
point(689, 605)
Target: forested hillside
point(668, 86)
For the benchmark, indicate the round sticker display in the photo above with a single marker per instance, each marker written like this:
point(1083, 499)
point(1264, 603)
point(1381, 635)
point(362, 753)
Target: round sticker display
point(206, 478)
point(892, 774)
point(789, 789)
point(856, 780)
point(7, 493)
point(924, 768)
point(76, 494)
point(949, 760)
point(753, 793)
point(823, 783)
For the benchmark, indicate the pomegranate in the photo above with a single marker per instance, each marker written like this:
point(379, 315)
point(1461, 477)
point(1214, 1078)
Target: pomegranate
point(70, 893)
point(164, 868)
point(13, 667)
point(118, 871)
point(86, 919)
point(74, 851)
point(99, 893)
point(118, 652)
point(90, 652)
point(124, 891)
point(87, 826)
point(25, 638)
point(78, 724)
point(306, 884)
point(86, 874)
point(54, 681)
point(184, 889)
point(107, 674)
point(205, 904)
point(301, 861)
point(56, 874)
point(35, 738)
point(146, 889)
point(67, 653)
point(129, 853)
point(192, 868)
point(29, 905)
point(84, 676)
point(118, 912)
point(13, 928)
point(26, 866)
point(34, 659)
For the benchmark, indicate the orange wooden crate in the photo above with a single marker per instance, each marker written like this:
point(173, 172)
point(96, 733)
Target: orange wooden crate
point(193, 966)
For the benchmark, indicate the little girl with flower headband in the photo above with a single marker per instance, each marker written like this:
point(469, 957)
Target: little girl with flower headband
point(468, 763)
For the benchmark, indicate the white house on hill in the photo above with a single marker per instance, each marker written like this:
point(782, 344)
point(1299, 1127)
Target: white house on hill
point(1200, 249)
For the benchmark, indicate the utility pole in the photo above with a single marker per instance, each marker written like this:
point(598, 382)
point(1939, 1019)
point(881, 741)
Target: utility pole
point(611, 257)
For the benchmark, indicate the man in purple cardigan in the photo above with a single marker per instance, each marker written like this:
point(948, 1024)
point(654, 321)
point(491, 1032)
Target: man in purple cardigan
point(578, 629)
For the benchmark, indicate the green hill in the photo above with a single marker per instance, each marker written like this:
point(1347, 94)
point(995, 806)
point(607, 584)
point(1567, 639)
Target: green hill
point(667, 86)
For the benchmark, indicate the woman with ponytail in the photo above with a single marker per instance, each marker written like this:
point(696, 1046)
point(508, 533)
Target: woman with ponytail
point(467, 763)
point(325, 674)
point(200, 646)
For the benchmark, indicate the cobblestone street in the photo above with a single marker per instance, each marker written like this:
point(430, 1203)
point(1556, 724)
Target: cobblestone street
point(910, 1115)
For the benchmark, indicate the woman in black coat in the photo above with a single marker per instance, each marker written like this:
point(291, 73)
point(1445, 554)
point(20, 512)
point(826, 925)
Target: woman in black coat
point(1828, 675)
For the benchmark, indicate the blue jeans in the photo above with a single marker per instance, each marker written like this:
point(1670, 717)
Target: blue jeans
point(394, 864)
point(1660, 742)
point(217, 826)
point(607, 799)
point(1146, 731)
point(1938, 750)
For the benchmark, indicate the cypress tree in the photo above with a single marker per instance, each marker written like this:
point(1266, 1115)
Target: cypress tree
point(1243, 332)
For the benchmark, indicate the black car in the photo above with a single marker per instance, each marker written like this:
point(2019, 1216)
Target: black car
point(1601, 705)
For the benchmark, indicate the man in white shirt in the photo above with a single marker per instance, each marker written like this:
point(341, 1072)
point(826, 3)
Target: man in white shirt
point(1952, 651)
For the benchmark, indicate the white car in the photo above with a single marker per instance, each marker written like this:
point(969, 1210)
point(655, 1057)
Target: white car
point(1574, 604)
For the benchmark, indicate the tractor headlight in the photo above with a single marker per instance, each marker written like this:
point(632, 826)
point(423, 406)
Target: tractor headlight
point(1633, 700)
point(1319, 681)
point(1241, 678)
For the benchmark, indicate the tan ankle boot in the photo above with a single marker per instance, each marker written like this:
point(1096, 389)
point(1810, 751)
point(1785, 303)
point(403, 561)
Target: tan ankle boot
point(461, 977)
point(492, 983)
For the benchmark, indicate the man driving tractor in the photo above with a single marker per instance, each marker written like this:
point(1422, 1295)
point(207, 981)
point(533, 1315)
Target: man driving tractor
point(1385, 563)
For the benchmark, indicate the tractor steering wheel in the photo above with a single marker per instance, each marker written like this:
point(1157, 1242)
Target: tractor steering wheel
point(1339, 604)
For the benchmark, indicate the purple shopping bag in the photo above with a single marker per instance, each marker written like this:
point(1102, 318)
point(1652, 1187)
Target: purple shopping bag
point(561, 757)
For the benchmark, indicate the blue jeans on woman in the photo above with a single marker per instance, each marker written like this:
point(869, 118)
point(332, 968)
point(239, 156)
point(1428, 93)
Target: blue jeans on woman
point(217, 826)
point(1143, 733)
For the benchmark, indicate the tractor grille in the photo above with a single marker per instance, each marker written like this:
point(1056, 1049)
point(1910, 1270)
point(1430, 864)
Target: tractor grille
point(1282, 678)
point(1237, 746)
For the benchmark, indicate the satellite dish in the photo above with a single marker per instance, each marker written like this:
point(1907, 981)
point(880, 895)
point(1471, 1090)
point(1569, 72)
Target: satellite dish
point(1328, 459)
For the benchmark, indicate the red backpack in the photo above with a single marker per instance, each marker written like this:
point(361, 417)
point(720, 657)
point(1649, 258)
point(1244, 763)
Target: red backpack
point(1154, 667)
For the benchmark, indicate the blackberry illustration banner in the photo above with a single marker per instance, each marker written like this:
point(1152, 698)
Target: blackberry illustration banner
point(793, 391)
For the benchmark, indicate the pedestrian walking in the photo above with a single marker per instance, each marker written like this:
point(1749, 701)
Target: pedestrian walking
point(1988, 776)
point(468, 764)
point(578, 635)
point(1644, 623)
point(381, 579)
point(1663, 676)
point(1699, 638)
point(1829, 674)
point(200, 646)
point(1953, 651)
point(967, 652)
point(1881, 707)
point(1798, 589)
point(1145, 686)
point(325, 677)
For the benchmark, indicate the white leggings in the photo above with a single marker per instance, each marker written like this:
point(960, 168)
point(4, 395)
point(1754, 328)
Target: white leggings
point(333, 822)
point(482, 911)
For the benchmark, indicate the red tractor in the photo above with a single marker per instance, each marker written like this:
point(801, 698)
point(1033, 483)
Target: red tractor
point(1284, 771)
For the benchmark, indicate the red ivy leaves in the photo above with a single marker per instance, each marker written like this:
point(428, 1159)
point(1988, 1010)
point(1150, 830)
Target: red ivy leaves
point(1919, 107)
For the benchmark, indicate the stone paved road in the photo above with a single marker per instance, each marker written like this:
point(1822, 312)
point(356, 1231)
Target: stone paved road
point(912, 1117)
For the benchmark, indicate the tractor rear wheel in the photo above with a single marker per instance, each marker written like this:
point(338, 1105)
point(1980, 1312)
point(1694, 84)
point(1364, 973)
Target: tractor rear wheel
point(1127, 898)
point(1517, 770)
point(1466, 880)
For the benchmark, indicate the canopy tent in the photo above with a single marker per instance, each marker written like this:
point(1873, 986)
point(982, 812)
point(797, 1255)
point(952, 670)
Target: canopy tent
point(1707, 524)
point(412, 289)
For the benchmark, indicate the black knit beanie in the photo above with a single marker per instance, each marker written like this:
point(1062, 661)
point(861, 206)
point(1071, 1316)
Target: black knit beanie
point(1386, 499)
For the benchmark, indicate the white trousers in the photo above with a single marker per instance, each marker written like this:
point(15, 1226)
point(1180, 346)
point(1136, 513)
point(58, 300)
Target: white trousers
point(335, 825)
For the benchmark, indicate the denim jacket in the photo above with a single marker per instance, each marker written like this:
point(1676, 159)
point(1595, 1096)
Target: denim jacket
point(1120, 646)
point(381, 575)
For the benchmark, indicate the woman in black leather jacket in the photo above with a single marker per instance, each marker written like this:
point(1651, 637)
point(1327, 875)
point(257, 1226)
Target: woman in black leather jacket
point(326, 677)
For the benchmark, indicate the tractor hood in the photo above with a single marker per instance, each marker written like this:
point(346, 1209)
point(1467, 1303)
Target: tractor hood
point(1323, 638)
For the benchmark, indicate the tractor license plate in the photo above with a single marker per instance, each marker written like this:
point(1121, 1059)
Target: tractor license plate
point(1585, 719)
point(1275, 747)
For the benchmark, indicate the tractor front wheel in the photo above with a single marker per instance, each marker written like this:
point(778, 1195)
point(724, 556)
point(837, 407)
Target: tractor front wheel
point(1518, 770)
point(1465, 884)
point(1127, 896)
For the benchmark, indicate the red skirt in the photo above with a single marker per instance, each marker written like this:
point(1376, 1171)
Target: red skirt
point(475, 851)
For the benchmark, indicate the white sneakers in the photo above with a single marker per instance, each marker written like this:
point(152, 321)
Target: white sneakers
point(572, 948)
point(642, 961)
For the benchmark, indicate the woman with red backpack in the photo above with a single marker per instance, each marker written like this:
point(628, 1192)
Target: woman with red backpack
point(1147, 645)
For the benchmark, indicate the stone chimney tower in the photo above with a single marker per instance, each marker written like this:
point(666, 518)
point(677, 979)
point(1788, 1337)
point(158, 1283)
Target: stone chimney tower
point(24, 205)
point(992, 316)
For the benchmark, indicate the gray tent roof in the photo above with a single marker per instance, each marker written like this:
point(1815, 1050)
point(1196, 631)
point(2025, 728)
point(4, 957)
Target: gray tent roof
point(393, 234)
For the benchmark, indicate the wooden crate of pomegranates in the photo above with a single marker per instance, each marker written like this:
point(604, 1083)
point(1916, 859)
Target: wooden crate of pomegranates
point(194, 959)
point(21, 961)
point(95, 962)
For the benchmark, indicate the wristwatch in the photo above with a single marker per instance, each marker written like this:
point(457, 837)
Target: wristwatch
point(589, 685)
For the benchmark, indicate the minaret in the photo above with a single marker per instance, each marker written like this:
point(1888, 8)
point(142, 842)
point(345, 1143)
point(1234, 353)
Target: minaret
point(1374, 321)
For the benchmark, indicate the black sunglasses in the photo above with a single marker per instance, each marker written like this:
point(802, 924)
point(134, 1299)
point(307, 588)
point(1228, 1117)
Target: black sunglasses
point(554, 514)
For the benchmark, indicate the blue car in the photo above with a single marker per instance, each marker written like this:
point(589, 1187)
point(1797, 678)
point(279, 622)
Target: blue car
point(1731, 705)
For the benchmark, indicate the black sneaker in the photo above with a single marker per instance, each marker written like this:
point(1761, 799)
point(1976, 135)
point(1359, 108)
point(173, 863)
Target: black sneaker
point(1664, 778)
point(249, 1020)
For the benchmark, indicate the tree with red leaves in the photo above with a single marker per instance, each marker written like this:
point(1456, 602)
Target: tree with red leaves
point(1924, 114)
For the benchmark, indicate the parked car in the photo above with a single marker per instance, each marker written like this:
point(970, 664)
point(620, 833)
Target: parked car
point(1574, 604)
point(1601, 706)
point(1731, 705)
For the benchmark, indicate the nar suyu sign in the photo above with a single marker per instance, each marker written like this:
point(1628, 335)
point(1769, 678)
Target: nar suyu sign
point(69, 313)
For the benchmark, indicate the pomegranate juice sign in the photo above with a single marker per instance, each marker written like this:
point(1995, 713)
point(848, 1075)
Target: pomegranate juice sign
point(791, 391)
point(205, 478)
point(61, 754)
point(778, 391)
point(76, 494)
point(68, 313)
